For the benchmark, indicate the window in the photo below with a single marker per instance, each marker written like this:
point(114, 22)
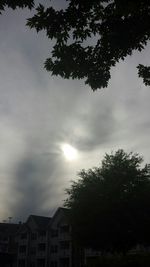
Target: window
point(64, 244)
point(23, 235)
point(42, 233)
point(64, 262)
point(54, 249)
point(64, 228)
point(41, 247)
point(33, 236)
point(53, 264)
point(41, 263)
point(54, 232)
point(22, 249)
point(33, 250)
point(21, 263)
point(5, 239)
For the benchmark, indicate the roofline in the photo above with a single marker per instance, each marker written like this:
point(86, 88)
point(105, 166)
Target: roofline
point(56, 212)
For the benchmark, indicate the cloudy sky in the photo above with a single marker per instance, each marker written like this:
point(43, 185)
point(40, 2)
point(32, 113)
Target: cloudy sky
point(40, 113)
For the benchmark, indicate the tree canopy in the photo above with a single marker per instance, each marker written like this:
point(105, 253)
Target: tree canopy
point(109, 205)
point(91, 36)
point(15, 3)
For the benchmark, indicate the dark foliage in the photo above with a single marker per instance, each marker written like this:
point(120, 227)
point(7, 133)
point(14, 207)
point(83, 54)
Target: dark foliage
point(15, 3)
point(118, 27)
point(137, 259)
point(109, 205)
point(144, 72)
point(91, 36)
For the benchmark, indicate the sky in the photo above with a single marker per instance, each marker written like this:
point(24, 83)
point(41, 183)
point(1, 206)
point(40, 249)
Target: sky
point(40, 113)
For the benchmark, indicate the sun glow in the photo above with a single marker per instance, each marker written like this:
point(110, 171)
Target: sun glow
point(69, 151)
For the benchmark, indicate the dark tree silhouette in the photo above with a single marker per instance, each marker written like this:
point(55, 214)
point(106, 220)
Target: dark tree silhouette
point(15, 3)
point(91, 36)
point(109, 205)
point(118, 27)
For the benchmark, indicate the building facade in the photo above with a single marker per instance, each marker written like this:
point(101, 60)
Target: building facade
point(8, 244)
point(47, 242)
point(60, 240)
point(33, 242)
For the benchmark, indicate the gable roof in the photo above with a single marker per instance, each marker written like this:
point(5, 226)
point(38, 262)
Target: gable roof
point(41, 221)
point(60, 210)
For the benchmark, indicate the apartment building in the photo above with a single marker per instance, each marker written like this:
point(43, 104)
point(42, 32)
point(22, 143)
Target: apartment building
point(63, 250)
point(8, 244)
point(60, 240)
point(33, 242)
point(48, 242)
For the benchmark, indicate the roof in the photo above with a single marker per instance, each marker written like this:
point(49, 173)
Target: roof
point(65, 210)
point(41, 221)
point(60, 210)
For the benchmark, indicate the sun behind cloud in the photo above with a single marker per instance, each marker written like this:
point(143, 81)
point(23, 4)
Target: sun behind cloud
point(69, 151)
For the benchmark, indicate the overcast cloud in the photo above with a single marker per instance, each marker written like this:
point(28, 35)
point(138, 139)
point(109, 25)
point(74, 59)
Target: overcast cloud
point(38, 113)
